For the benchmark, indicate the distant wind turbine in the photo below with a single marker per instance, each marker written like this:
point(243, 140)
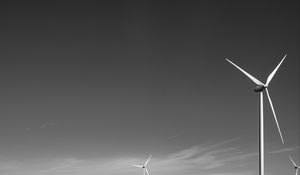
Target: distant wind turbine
point(295, 166)
point(144, 166)
point(260, 88)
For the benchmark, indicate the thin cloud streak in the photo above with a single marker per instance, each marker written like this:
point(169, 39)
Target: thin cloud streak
point(68, 163)
point(284, 150)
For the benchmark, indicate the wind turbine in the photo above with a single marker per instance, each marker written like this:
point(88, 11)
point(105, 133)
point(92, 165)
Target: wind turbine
point(260, 88)
point(144, 166)
point(295, 166)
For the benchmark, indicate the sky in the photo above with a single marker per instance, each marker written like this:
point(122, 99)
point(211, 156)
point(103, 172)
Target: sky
point(92, 87)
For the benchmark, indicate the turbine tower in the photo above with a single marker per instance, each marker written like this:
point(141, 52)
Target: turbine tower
point(295, 166)
point(259, 89)
point(144, 166)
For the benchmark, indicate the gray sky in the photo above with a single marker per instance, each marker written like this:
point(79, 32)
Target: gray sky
point(89, 88)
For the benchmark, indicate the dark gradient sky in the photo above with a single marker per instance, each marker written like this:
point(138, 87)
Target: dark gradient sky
point(85, 84)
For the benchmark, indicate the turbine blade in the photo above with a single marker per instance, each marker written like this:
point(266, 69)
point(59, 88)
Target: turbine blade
point(140, 166)
point(147, 171)
point(148, 160)
point(274, 71)
point(271, 104)
point(292, 161)
point(256, 81)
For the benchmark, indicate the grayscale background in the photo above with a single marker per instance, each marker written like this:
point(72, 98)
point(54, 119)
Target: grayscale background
point(91, 87)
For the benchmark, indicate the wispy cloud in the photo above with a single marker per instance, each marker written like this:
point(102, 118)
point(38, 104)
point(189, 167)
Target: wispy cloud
point(204, 159)
point(174, 136)
point(284, 150)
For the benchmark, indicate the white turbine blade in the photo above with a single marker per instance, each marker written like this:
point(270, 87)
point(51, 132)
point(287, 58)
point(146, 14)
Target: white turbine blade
point(147, 171)
point(292, 161)
point(271, 104)
point(140, 166)
point(274, 71)
point(256, 81)
point(148, 160)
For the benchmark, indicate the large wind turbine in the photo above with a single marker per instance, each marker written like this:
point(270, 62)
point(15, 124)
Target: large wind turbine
point(260, 88)
point(295, 166)
point(144, 166)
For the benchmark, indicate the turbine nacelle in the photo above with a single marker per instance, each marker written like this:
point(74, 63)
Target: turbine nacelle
point(260, 88)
